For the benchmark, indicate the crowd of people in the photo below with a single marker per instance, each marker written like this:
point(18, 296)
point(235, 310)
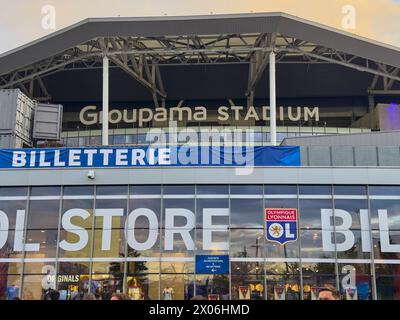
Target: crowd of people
point(327, 292)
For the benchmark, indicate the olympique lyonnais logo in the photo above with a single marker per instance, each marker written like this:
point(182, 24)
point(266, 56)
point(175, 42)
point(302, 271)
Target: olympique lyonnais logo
point(281, 225)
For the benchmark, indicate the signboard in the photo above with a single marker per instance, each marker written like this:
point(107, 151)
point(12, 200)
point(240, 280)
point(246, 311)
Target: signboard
point(281, 225)
point(212, 264)
point(149, 156)
point(90, 115)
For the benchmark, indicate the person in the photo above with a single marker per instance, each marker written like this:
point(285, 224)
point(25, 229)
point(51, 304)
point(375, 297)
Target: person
point(52, 295)
point(328, 292)
point(89, 296)
point(120, 296)
point(198, 297)
point(168, 293)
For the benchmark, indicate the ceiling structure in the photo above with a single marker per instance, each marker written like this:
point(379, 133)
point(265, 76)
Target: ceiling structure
point(151, 52)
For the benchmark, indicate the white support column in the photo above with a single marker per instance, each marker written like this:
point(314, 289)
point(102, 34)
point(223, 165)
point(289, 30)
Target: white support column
point(272, 97)
point(105, 101)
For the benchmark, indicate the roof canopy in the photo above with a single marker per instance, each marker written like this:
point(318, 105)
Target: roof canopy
point(234, 47)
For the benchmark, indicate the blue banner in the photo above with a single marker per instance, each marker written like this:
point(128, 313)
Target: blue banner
point(213, 264)
point(149, 156)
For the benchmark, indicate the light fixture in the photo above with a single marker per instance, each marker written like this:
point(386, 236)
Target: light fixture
point(91, 174)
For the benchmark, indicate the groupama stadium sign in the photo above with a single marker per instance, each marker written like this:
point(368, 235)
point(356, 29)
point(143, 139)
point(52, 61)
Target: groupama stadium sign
point(90, 115)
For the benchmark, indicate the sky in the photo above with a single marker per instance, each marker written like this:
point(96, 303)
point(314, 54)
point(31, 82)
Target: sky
point(22, 20)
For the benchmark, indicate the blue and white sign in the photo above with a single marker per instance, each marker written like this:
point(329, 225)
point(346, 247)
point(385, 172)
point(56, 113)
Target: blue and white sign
point(212, 264)
point(149, 157)
point(281, 225)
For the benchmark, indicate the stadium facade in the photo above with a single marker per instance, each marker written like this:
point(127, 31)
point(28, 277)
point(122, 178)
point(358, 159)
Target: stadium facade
point(125, 162)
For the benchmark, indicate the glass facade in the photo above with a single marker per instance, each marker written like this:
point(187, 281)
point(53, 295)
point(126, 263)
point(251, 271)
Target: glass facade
point(143, 240)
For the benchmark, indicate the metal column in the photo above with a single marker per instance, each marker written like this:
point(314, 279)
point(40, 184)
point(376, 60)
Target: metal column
point(105, 101)
point(272, 97)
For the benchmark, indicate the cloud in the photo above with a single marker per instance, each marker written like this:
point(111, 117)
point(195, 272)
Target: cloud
point(21, 22)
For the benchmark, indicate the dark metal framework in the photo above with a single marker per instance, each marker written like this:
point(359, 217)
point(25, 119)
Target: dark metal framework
point(142, 56)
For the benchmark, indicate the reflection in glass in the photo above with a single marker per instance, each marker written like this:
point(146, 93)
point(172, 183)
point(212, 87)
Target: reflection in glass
point(355, 281)
point(390, 208)
point(352, 207)
point(247, 287)
point(106, 284)
point(311, 244)
point(247, 213)
point(78, 190)
point(142, 286)
point(349, 190)
point(45, 191)
point(247, 243)
point(43, 214)
point(177, 286)
point(280, 189)
point(13, 191)
point(46, 241)
point(310, 212)
point(10, 287)
point(356, 251)
point(315, 276)
point(33, 289)
point(383, 242)
point(247, 189)
point(10, 207)
point(202, 204)
point(212, 189)
point(213, 287)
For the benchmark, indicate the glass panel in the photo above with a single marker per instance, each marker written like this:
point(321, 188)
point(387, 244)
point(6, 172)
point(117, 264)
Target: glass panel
point(384, 190)
point(247, 287)
point(10, 207)
point(112, 190)
point(246, 243)
point(178, 189)
point(349, 190)
point(386, 244)
point(107, 284)
point(143, 286)
point(43, 214)
point(10, 287)
point(45, 191)
point(315, 189)
point(387, 281)
point(33, 289)
point(78, 190)
point(203, 204)
point(46, 242)
point(310, 212)
point(145, 189)
point(316, 276)
point(73, 280)
point(280, 189)
point(283, 281)
point(311, 244)
point(115, 206)
point(212, 189)
point(247, 189)
point(355, 281)
point(149, 204)
point(352, 207)
point(13, 191)
point(213, 287)
point(177, 286)
point(247, 213)
point(356, 251)
point(387, 208)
